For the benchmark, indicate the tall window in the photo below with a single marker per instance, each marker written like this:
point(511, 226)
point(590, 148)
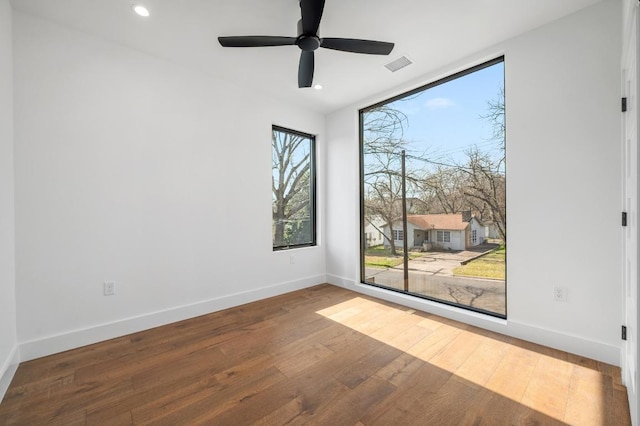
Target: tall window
point(433, 163)
point(293, 187)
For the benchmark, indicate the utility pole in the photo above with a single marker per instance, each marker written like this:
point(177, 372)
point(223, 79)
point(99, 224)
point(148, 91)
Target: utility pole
point(405, 244)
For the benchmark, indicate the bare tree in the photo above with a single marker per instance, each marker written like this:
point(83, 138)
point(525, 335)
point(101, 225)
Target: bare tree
point(486, 184)
point(445, 186)
point(478, 182)
point(495, 116)
point(383, 130)
point(384, 200)
point(291, 172)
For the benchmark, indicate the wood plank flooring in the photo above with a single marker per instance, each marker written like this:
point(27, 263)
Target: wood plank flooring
point(322, 356)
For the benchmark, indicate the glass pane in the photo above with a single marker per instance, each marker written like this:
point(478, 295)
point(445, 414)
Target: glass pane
point(292, 189)
point(453, 136)
point(382, 196)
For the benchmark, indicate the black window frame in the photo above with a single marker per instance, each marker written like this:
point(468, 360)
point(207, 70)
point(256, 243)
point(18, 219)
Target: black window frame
point(312, 189)
point(361, 112)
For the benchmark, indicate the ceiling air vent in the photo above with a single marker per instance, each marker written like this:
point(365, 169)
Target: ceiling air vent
point(399, 63)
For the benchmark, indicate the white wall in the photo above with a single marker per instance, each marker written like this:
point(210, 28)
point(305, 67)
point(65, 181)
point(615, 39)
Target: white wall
point(8, 340)
point(125, 166)
point(563, 171)
point(132, 169)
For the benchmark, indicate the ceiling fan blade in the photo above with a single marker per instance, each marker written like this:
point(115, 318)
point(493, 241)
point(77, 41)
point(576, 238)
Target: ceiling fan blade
point(256, 41)
point(370, 47)
point(311, 15)
point(305, 69)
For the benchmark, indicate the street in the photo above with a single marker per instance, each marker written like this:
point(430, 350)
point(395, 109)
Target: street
point(432, 275)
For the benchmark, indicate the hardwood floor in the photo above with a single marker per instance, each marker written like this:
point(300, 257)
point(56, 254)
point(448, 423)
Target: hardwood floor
point(324, 356)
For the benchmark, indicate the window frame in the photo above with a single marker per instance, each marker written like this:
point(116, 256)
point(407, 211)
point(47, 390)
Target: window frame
point(312, 189)
point(455, 75)
point(446, 236)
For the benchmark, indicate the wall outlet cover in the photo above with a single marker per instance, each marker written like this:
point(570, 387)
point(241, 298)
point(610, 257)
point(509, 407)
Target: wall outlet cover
point(560, 293)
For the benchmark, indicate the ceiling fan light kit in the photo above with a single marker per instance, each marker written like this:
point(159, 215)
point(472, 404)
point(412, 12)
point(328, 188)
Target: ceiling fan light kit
point(309, 41)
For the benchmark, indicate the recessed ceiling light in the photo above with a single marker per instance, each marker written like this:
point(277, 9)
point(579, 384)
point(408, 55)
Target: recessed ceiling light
point(141, 10)
point(318, 87)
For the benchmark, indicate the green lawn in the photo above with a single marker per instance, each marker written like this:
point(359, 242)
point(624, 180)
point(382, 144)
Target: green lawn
point(491, 265)
point(381, 257)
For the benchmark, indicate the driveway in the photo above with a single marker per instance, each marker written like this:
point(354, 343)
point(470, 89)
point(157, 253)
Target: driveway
point(444, 262)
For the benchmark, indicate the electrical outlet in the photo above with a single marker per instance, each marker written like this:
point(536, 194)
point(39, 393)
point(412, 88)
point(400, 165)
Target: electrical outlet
point(560, 294)
point(109, 288)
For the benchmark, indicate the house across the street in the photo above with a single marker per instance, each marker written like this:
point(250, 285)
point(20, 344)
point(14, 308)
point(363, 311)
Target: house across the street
point(453, 231)
point(373, 232)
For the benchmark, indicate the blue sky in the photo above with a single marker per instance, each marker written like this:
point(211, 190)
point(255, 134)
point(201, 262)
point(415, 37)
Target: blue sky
point(446, 119)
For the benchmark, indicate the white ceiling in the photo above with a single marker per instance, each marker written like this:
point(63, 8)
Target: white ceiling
point(433, 33)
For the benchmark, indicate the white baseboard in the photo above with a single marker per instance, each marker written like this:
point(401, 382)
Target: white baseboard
point(598, 351)
point(76, 338)
point(82, 337)
point(574, 344)
point(8, 370)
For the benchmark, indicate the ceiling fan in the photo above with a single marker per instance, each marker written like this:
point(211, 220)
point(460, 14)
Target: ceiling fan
point(308, 41)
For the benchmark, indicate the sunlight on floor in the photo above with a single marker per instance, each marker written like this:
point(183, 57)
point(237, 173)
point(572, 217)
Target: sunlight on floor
point(566, 391)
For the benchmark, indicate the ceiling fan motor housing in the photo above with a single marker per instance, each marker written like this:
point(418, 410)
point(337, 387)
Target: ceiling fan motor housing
point(307, 42)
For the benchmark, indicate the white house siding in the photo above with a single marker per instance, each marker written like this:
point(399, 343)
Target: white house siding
point(491, 231)
point(457, 240)
point(373, 235)
point(411, 229)
point(373, 232)
point(481, 235)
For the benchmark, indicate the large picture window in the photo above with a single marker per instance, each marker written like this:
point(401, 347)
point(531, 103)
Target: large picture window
point(433, 166)
point(293, 188)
